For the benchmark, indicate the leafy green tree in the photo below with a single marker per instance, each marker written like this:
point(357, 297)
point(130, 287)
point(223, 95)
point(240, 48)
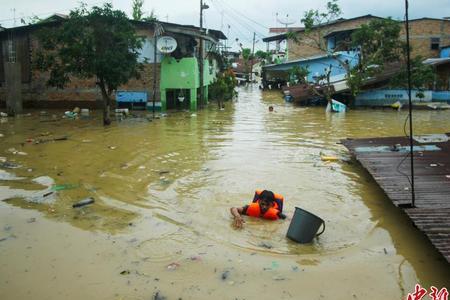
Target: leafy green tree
point(299, 74)
point(150, 18)
point(137, 10)
point(100, 43)
point(222, 88)
point(422, 76)
point(315, 22)
point(247, 54)
point(261, 54)
point(379, 44)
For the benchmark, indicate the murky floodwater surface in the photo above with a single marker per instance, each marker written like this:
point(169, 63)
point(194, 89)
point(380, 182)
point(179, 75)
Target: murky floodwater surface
point(160, 224)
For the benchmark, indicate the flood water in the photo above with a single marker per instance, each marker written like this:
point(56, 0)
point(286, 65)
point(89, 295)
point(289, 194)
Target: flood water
point(160, 225)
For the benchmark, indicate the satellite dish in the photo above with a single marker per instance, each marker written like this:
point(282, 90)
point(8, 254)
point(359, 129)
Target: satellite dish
point(166, 44)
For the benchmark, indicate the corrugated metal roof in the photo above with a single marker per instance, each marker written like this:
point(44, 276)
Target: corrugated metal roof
point(437, 61)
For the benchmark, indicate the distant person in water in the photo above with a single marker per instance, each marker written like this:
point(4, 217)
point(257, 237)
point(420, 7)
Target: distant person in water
point(265, 204)
point(271, 108)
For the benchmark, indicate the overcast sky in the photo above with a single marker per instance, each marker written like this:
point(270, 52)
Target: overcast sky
point(243, 16)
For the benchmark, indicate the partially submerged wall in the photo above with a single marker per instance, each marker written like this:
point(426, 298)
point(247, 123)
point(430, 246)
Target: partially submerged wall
point(78, 92)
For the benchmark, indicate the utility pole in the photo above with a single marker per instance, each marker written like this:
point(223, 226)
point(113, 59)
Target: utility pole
point(253, 56)
point(408, 50)
point(155, 41)
point(201, 52)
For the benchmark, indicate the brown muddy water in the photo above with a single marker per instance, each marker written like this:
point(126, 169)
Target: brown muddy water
point(160, 225)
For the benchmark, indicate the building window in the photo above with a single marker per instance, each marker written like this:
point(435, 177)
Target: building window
point(11, 51)
point(435, 43)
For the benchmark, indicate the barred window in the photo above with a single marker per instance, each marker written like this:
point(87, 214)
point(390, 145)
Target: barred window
point(435, 43)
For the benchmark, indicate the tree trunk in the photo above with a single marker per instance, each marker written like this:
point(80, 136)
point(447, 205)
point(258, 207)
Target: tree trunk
point(106, 104)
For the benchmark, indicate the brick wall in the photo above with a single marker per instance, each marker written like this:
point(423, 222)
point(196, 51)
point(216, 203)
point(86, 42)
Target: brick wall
point(307, 45)
point(79, 92)
point(421, 31)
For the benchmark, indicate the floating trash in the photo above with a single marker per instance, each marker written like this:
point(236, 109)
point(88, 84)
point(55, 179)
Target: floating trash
point(62, 187)
point(173, 266)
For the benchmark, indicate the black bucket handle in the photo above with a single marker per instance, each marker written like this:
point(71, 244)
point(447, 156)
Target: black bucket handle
point(323, 230)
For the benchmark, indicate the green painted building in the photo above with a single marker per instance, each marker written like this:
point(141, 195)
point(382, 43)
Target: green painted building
point(180, 80)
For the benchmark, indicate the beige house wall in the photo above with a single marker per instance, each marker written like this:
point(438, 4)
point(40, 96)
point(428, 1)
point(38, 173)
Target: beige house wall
point(36, 93)
point(307, 44)
point(421, 32)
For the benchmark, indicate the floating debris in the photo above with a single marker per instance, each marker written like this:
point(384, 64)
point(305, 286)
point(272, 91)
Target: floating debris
point(157, 296)
point(265, 245)
point(329, 158)
point(62, 187)
point(84, 202)
point(43, 141)
point(225, 275)
point(8, 176)
point(31, 220)
point(173, 266)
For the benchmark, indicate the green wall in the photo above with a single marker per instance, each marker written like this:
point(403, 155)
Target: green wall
point(183, 74)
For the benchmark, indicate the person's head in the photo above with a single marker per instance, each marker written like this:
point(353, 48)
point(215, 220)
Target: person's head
point(270, 108)
point(266, 200)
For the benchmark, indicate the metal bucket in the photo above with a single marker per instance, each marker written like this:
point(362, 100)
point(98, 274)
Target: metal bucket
point(304, 226)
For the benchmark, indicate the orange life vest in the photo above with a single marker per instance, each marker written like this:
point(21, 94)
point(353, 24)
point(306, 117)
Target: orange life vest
point(253, 210)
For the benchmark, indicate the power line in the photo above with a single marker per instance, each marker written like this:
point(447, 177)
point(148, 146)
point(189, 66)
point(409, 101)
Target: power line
point(238, 19)
point(235, 29)
point(238, 12)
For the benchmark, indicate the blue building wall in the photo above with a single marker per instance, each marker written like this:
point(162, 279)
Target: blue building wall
point(441, 96)
point(131, 97)
point(445, 52)
point(318, 66)
point(387, 97)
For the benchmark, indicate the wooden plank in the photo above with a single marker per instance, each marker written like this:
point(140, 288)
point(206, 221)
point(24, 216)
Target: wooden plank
point(432, 184)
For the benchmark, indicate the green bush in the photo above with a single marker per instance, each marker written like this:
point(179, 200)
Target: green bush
point(222, 88)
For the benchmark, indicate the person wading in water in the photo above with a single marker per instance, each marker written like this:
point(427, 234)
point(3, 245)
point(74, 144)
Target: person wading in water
point(265, 204)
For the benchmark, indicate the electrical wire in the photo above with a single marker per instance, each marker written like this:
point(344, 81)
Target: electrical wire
point(234, 29)
point(235, 18)
point(238, 12)
point(238, 18)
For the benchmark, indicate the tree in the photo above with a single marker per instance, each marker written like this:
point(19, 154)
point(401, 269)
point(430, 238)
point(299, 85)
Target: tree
point(137, 10)
point(315, 24)
point(298, 74)
point(222, 88)
point(151, 18)
point(379, 44)
point(100, 43)
point(315, 29)
point(140, 15)
point(247, 54)
point(261, 54)
point(422, 76)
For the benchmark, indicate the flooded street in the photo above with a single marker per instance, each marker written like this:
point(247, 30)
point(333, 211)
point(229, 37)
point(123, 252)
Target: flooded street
point(161, 227)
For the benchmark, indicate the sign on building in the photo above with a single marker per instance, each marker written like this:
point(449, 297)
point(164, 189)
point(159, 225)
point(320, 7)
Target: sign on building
point(166, 44)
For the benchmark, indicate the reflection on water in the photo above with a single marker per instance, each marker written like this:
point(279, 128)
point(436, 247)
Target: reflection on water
point(163, 190)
